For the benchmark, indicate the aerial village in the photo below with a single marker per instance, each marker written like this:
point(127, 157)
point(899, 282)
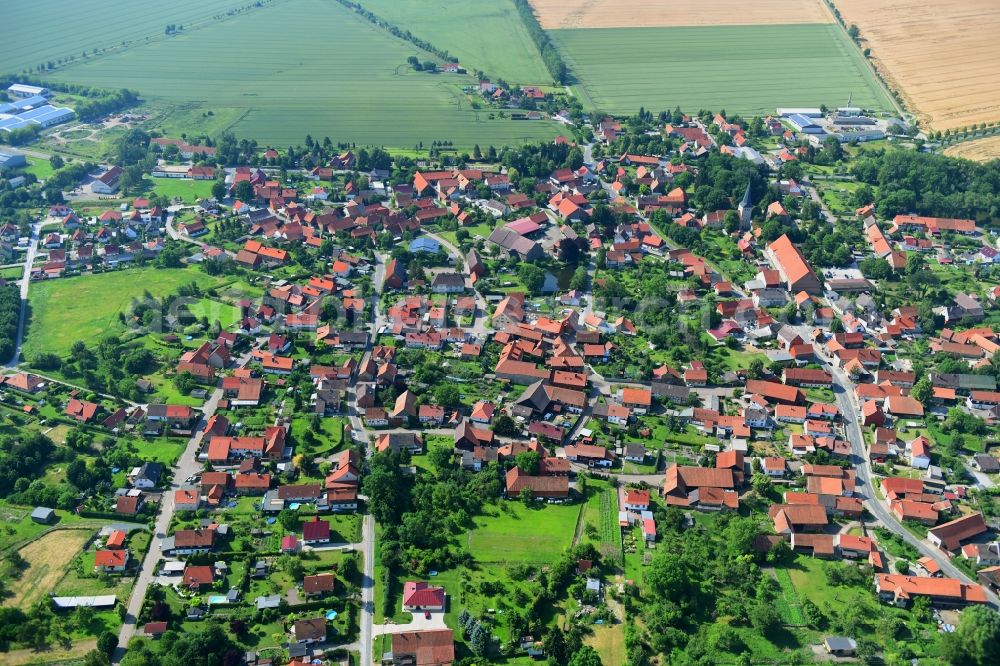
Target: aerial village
point(604, 324)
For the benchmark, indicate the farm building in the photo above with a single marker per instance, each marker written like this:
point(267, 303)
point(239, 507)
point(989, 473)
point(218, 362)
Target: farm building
point(43, 515)
point(68, 603)
point(804, 124)
point(24, 90)
point(47, 116)
point(11, 160)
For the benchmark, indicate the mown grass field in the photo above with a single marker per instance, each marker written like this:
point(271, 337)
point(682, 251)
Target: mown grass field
point(482, 34)
point(86, 307)
point(182, 188)
point(536, 534)
point(47, 559)
point(742, 69)
point(340, 76)
point(213, 310)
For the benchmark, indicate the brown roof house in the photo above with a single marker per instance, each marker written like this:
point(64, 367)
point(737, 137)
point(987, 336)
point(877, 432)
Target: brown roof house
point(428, 647)
point(319, 585)
point(309, 631)
point(950, 535)
point(700, 487)
point(541, 487)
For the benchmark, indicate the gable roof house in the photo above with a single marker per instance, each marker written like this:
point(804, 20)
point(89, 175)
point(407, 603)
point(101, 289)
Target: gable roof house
point(700, 487)
point(319, 584)
point(427, 647)
point(420, 596)
point(950, 592)
point(309, 631)
point(790, 518)
point(111, 561)
point(950, 535)
point(795, 271)
point(541, 487)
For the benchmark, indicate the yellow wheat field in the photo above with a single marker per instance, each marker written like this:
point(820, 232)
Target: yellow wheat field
point(980, 150)
point(942, 57)
point(557, 14)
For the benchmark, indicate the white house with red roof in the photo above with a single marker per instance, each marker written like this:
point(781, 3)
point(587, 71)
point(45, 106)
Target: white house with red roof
point(636, 500)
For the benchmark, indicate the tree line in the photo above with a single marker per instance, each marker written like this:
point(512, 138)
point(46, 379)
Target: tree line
point(931, 184)
point(550, 56)
point(10, 313)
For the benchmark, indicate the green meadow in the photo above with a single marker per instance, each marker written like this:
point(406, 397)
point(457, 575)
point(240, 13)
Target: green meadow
point(84, 308)
point(297, 67)
point(742, 69)
point(535, 534)
point(481, 34)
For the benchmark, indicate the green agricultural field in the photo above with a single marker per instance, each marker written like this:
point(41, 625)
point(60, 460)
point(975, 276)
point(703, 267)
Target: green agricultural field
point(50, 30)
point(176, 119)
point(487, 35)
point(340, 76)
point(536, 534)
point(86, 307)
point(742, 69)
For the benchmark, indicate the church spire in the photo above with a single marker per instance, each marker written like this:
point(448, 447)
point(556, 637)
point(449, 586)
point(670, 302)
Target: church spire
point(746, 203)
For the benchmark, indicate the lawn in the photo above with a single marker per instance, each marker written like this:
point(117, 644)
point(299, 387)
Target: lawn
point(482, 34)
point(609, 641)
point(276, 96)
point(41, 168)
point(809, 582)
point(85, 307)
point(330, 433)
point(165, 450)
point(536, 534)
point(742, 69)
point(213, 310)
point(182, 188)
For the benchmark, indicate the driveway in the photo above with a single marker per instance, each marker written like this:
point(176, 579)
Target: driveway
point(418, 623)
point(981, 479)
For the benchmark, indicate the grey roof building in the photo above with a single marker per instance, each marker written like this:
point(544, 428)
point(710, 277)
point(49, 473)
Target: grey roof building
point(43, 515)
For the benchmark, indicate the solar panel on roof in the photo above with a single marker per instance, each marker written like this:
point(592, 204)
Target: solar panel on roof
point(45, 114)
point(28, 102)
point(11, 124)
